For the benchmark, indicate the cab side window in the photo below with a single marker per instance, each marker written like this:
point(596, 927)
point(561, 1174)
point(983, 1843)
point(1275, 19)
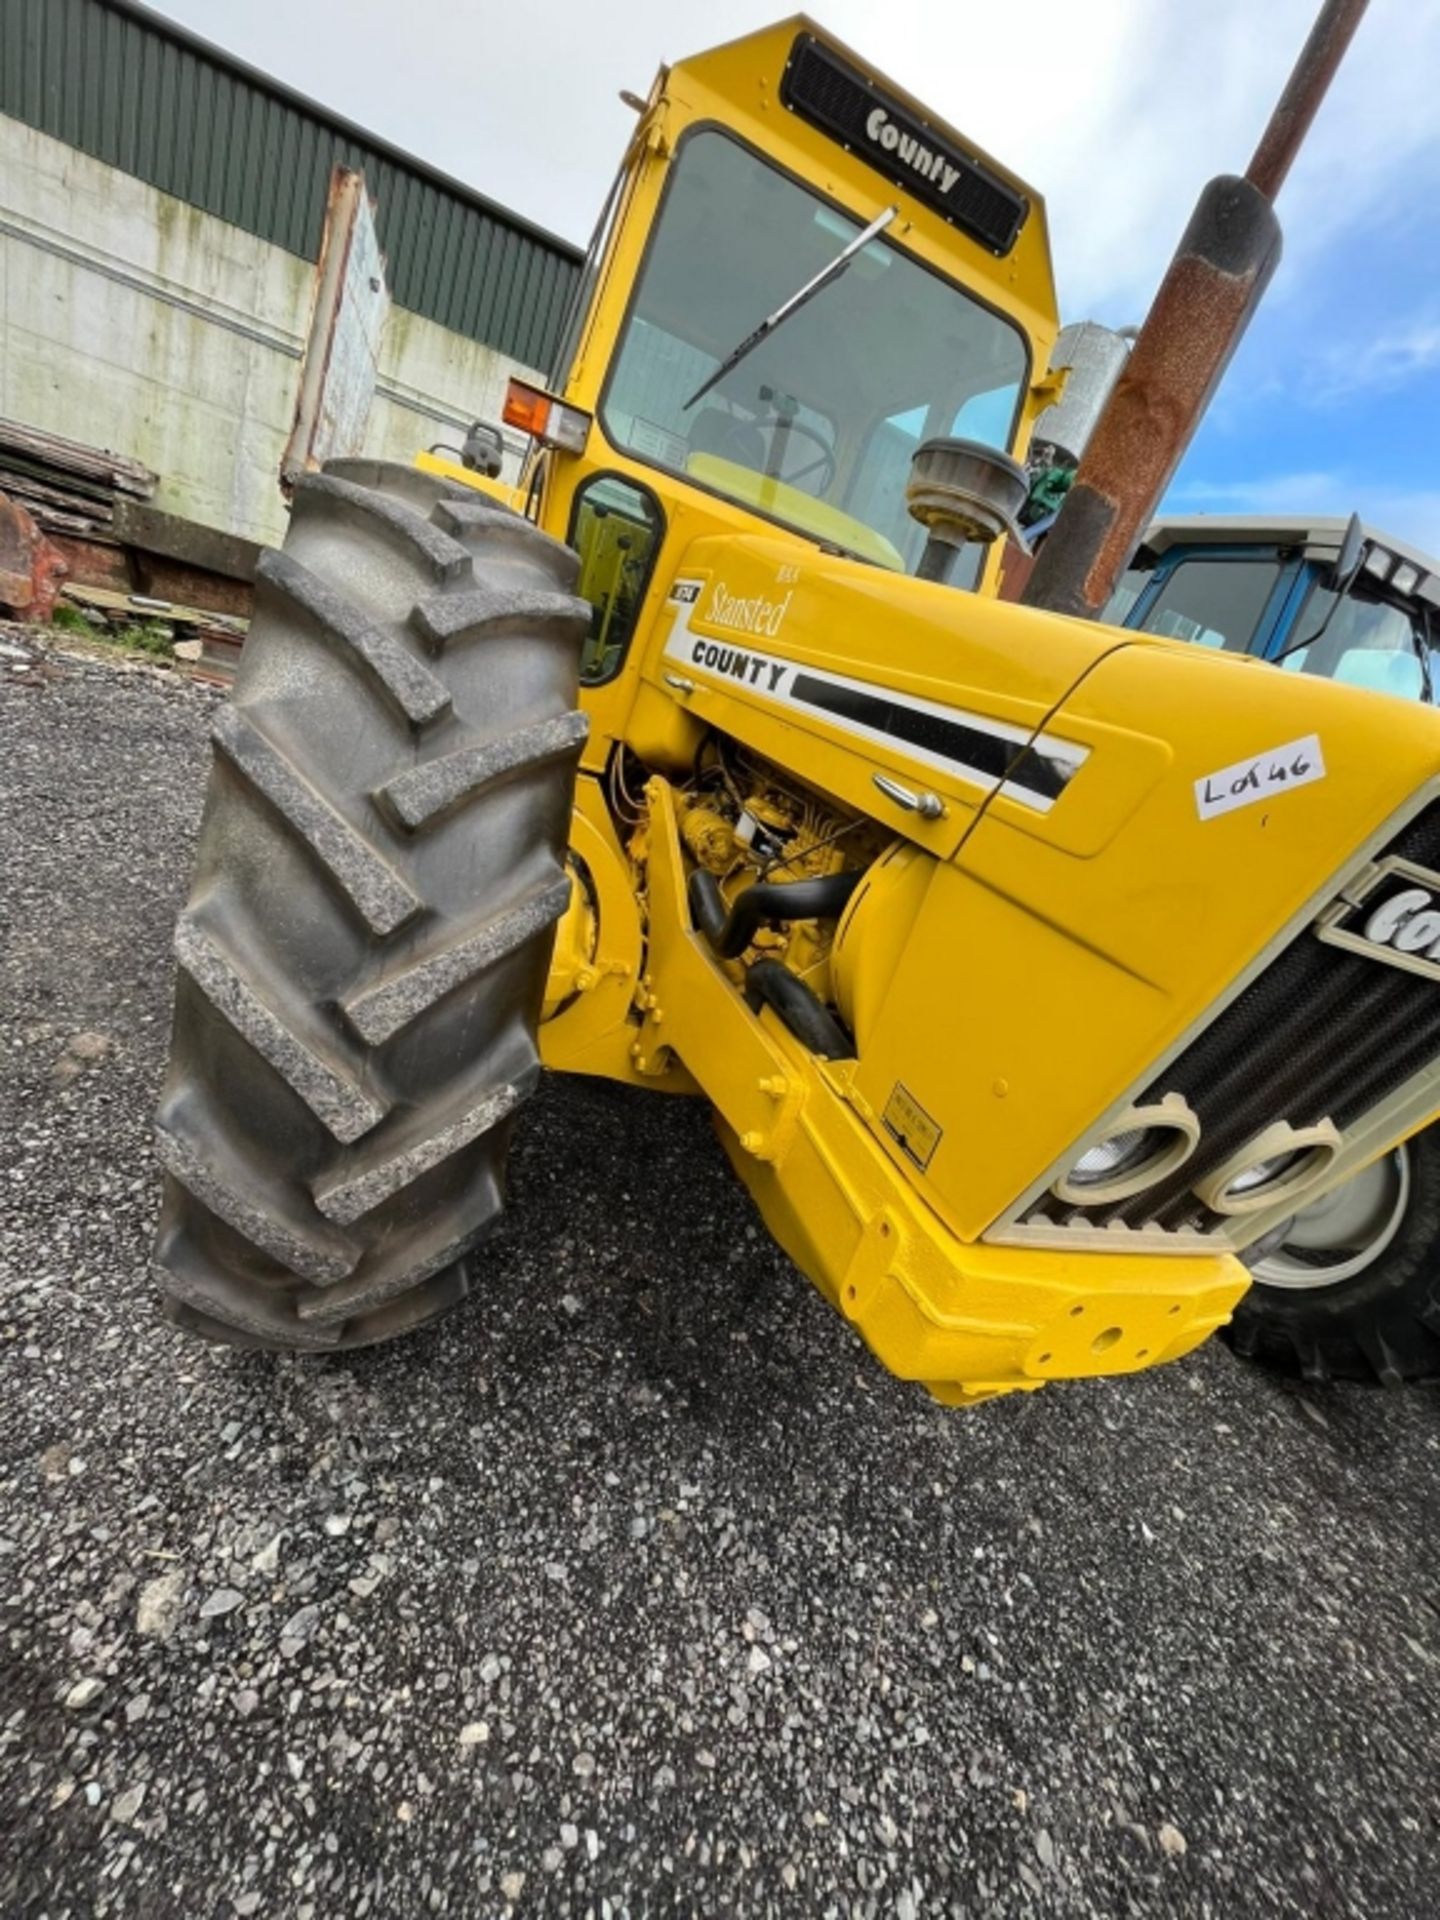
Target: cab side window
point(1128, 589)
point(615, 527)
point(1216, 603)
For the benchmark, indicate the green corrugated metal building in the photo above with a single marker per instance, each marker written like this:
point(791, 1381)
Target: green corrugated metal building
point(124, 85)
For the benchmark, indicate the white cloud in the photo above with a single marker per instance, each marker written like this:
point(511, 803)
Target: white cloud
point(1413, 516)
point(1410, 514)
point(1313, 491)
point(1373, 157)
point(1382, 363)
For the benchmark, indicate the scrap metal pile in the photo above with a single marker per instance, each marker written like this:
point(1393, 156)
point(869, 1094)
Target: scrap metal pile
point(67, 487)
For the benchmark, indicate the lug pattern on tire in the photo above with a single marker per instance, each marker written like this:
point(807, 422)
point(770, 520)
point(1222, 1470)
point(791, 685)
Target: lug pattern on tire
point(408, 681)
point(434, 787)
point(329, 1092)
point(359, 1191)
point(315, 1258)
point(357, 869)
point(379, 1012)
point(355, 1018)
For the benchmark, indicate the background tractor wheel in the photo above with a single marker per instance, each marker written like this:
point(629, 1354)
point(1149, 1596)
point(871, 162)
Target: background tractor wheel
point(1353, 1292)
point(364, 952)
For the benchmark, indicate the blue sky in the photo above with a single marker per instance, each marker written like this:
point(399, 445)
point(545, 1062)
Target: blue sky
point(1333, 401)
point(1117, 110)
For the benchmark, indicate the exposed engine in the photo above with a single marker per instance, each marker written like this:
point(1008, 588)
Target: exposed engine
point(745, 821)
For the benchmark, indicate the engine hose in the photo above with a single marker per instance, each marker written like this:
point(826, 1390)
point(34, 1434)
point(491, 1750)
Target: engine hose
point(799, 1009)
point(731, 932)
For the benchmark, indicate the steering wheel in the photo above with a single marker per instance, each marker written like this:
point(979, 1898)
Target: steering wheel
point(826, 465)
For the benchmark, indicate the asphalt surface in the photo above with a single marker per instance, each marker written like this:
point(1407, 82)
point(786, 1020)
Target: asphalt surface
point(635, 1587)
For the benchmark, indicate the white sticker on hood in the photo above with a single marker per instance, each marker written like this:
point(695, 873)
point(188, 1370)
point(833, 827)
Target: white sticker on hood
point(1297, 764)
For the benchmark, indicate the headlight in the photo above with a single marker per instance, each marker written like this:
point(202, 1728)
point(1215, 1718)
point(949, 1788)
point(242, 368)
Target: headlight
point(1121, 1153)
point(1139, 1147)
point(1272, 1169)
point(1265, 1173)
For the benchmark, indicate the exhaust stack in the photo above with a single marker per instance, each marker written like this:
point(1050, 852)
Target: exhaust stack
point(1212, 287)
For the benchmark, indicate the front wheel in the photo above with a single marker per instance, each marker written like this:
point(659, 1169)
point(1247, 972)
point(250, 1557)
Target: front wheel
point(364, 951)
point(1353, 1291)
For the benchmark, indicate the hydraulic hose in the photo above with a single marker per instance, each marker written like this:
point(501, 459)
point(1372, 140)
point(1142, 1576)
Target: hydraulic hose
point(801, 1010)
point(731, 931)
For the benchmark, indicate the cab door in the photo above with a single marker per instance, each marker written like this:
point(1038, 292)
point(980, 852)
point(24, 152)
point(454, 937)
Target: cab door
point(1234, 599)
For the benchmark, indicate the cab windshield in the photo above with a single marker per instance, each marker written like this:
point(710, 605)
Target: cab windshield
point(816, 426)
point(1367, 642)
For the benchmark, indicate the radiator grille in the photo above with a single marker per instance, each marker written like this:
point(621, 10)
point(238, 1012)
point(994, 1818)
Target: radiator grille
point(1321, 1033)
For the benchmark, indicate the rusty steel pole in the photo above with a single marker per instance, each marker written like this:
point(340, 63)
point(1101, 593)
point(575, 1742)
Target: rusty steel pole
point(1210, 290)
point(1307, 86)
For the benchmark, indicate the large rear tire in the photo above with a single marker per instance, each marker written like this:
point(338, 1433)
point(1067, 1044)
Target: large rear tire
point(364, 952)
point(1353, 1291)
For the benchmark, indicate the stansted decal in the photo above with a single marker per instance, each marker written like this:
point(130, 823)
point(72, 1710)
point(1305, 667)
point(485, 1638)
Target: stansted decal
point(993, 754)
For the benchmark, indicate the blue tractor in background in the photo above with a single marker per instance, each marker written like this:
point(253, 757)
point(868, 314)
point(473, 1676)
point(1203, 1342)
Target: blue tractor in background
point(1313, 595)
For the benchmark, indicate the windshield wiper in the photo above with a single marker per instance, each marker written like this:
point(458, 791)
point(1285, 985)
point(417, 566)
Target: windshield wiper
point(793, 305)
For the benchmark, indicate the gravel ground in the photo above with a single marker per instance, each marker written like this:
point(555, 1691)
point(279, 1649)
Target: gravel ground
point(635, 1587)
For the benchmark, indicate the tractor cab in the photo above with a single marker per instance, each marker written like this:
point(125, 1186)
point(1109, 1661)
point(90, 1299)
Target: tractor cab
point(800, 277)
point(815, 426)
point(1283, 588)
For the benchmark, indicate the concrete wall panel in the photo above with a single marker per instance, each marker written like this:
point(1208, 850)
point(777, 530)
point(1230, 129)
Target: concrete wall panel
point(134, 321)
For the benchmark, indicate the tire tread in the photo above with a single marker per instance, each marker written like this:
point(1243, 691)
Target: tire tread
point(357, 1000)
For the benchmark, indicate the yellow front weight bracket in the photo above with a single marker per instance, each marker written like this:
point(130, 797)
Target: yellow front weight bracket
point(968, 1319)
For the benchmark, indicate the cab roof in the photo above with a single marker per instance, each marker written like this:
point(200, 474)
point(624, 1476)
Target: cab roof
point(1317, 537)
point(793, 26)
point(795, 75)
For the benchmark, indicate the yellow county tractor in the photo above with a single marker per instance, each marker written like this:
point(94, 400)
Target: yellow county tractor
point(1037, 972)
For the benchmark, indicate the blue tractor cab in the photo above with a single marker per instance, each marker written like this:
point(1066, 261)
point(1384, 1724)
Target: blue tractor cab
point(1320, 596)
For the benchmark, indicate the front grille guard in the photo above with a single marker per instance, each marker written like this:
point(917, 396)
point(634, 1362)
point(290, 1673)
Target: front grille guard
point(1253, 1062)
